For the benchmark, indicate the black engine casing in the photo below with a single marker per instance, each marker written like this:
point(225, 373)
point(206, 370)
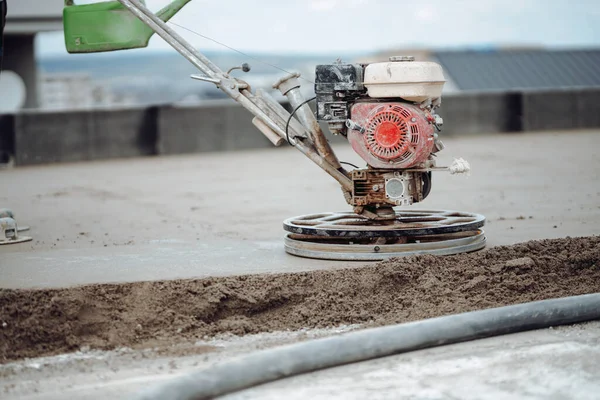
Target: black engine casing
point(336, 87)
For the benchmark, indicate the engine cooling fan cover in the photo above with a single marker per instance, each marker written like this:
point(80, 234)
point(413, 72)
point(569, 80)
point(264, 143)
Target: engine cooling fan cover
point(387, 134)
point(396, 135)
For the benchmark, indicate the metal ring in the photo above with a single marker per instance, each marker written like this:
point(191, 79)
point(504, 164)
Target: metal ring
point(407, 223)
point(378, 252)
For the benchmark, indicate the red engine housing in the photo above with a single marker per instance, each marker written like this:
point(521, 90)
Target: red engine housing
point(396, 135)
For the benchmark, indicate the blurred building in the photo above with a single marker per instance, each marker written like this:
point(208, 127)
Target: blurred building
point(70, 90)
point(24, 19)
point(521, 69)
point(77, 91)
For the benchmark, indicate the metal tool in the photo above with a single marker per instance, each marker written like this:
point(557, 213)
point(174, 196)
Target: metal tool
point(349, 236)
point(387, 111)
point(9, 232)
point(8, 213)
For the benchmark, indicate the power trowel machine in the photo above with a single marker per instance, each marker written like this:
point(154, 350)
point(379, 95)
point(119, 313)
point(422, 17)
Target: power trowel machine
point(386, 110)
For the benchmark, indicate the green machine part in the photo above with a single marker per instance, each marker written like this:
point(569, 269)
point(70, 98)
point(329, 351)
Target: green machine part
point(108, 26)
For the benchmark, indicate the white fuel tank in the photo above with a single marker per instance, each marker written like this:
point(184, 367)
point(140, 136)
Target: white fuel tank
point(403, 77)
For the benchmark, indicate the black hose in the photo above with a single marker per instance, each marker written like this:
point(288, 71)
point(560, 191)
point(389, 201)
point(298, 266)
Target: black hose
point(287, 124)
point(349, 164)
point(426, 183)
point(270, 365)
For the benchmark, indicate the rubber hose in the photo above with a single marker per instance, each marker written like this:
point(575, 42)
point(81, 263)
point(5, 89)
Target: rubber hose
point(273, 364)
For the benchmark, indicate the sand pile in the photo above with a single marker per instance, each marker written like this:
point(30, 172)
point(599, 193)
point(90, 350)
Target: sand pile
point(50, 321)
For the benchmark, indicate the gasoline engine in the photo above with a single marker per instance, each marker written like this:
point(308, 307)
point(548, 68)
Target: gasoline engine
point(387, 112)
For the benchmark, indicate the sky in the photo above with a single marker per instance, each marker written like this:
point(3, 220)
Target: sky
point(366, 26)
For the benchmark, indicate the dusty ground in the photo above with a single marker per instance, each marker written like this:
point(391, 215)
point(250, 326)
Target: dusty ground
point(560, 363)
point(149, 314)
point(557, 363)
point(123, 372)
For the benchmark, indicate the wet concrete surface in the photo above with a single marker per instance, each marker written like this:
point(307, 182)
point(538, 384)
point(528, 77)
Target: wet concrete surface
point(221, 214)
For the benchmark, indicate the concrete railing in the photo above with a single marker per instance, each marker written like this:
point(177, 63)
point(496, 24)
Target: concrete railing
point(37, 137)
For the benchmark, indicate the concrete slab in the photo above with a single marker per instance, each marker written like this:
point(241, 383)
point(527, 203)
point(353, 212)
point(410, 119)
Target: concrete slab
point(162, 260)
point(221, 213)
